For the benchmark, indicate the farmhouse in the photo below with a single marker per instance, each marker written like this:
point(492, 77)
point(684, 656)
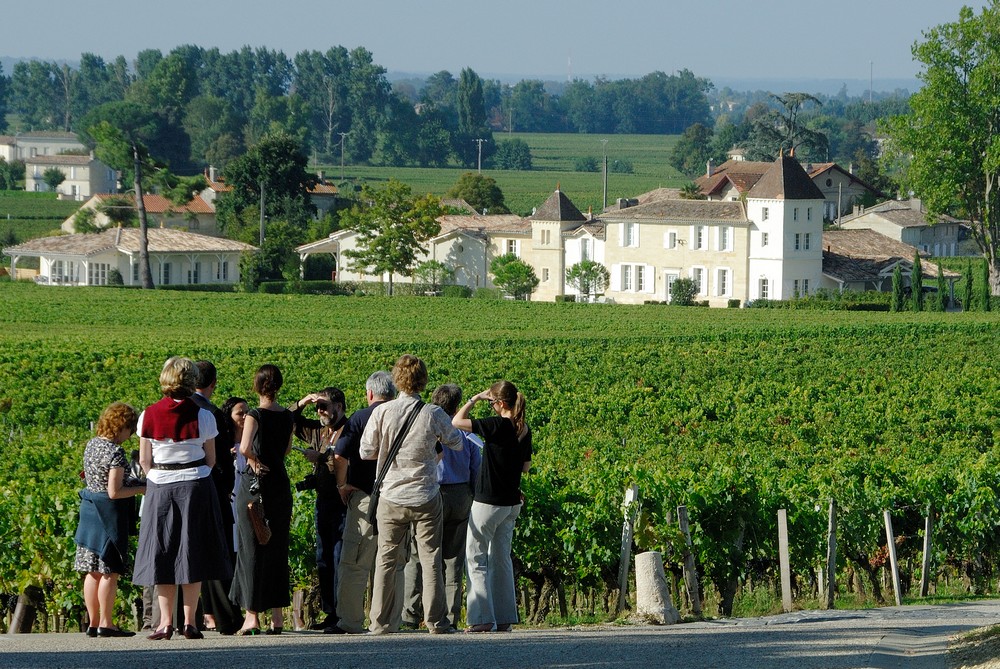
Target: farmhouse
point(864, 259)
point(175, 257)
point(906, 221)
point(197, 215)
point(841, 189)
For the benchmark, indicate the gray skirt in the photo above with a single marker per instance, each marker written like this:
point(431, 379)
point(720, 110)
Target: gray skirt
point(181, 535)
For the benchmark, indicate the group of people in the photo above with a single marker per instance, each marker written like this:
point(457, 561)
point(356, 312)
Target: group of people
point(421, 494)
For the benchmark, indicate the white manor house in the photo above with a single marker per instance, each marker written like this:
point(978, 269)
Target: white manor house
point(767, 245)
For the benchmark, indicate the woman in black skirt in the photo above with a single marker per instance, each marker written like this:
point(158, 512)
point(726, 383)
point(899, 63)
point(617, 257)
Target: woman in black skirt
point(180, 536)
point(262, 578)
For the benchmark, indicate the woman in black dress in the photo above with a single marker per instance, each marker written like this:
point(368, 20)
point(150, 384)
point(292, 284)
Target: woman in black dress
point(262, 579)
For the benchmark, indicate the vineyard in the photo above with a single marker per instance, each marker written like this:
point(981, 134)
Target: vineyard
point(733, 413)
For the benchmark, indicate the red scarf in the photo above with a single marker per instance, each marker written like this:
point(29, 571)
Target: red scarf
point(169, 419)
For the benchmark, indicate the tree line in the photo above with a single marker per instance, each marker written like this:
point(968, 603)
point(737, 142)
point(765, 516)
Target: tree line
point(339, 103)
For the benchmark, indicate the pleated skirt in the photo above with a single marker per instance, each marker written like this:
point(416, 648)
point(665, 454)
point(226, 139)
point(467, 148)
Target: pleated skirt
point(181, 535)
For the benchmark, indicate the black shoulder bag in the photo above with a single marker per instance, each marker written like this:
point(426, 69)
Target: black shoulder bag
point(390, 457)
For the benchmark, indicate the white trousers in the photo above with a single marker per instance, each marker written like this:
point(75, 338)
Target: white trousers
point(491, 596)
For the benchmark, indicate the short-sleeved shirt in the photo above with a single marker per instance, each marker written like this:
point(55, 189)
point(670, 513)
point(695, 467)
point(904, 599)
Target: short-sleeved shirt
point(411, 479)
point(504, 455)
point(168, 451)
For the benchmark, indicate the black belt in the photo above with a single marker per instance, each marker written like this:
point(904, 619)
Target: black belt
point(170, 466)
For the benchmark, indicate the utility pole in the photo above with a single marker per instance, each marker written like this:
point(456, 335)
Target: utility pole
point(342, 136)
point(479, 162)
point(604, 142)
point(871, 80)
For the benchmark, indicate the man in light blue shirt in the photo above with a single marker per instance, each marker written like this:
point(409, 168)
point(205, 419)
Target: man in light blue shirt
point(457, 471)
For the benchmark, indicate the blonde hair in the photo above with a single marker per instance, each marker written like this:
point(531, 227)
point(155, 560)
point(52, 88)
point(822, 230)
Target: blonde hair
point(507, 392)
point(114, 418)
point(409, 374)
point(179, 377)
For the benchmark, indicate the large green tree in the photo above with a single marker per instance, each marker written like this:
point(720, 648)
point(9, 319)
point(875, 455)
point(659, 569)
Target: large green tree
point(119, 132)
point(951, 137)
point(784, 130)
point(277, 165)
point(480, 191)
point(514, 276)
point(588, 277)
point(392, 226)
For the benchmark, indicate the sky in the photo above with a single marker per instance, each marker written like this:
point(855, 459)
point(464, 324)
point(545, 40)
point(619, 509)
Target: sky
point(512, 39)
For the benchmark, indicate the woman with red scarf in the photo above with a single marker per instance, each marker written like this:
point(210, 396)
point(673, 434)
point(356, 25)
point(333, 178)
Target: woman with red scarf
point(180, 538)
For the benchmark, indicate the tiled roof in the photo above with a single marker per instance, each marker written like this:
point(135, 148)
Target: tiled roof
point(7, 139)
point(59, 160)
point(785, 180)
point(596, 229)
point(219, 186)
point(559, 208)
point(160, 240)
point(900, 212)
point(158, 204)
point(491, 223)
point(660, 194)
point(323, 189)
point(49, 134)
point(866, 255)
point(682, 210)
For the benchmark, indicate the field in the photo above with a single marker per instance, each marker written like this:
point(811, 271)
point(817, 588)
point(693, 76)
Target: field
point(554, 156)
point(25, 216)
point(733, 413)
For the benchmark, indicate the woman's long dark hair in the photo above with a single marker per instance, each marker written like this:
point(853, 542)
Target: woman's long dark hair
point(507, 392)
point(227, 411)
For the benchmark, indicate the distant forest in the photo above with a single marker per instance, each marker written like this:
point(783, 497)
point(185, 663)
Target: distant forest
point(339, 104)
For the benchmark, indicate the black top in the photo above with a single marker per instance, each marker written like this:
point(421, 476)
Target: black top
point(224, 471)
point(360, 473)
point(504, 455)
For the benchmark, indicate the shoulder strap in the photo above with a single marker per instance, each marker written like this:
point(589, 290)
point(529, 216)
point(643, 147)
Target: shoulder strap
point(397, 443)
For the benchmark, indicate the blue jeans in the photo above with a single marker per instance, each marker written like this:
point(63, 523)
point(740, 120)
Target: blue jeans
point(330, 515)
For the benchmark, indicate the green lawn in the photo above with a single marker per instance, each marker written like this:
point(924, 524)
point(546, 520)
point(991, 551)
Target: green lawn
point(554, 156)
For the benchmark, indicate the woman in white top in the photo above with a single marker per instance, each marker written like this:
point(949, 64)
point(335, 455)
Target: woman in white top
point(180, 537)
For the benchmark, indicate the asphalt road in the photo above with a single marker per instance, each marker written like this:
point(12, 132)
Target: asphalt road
point(910, 636)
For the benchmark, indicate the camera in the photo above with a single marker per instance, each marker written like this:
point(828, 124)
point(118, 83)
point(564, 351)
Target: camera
point(308, 483)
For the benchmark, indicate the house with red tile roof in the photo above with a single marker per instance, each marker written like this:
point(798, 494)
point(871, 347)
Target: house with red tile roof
point(197, 215)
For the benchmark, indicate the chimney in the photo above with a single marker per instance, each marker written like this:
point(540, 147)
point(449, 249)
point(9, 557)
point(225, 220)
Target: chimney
point(709, 168)
point(212, 173)
point(322, 177)
point(850, 168)
point(916, 204)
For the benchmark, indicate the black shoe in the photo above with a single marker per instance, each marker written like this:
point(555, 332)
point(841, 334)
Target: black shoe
point(274, 630)
point(329, 621)
point(191, 632)
point(112, 632)
point(334, 629)
point(91, 632)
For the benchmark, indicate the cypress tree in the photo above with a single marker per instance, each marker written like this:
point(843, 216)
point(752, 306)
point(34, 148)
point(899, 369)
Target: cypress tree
point(917, 284)
point(896, 303)
point(942, 290)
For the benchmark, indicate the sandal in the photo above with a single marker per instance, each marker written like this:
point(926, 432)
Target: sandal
point(273, 630)
point(484, 627)
point(249, 631)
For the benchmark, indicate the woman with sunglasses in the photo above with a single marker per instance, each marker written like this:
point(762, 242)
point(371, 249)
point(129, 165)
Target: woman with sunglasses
point(491, 603)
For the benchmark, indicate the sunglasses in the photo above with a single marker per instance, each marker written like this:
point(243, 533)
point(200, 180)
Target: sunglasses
point(323, 406)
